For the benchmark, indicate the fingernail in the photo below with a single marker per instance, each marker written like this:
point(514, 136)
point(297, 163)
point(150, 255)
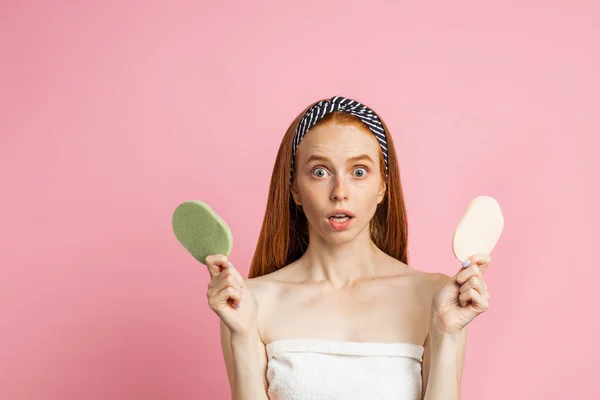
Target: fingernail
point(466, 263)
point(230, 264)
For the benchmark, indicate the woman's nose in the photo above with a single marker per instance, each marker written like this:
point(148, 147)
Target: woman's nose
point(339, 193)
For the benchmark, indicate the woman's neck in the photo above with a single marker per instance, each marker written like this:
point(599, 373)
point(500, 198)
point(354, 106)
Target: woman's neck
point(342, 264)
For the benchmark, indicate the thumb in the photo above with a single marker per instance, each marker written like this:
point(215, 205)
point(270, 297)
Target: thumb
point(481, 260)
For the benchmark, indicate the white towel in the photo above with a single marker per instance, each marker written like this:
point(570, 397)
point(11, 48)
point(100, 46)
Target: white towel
point(314, 369)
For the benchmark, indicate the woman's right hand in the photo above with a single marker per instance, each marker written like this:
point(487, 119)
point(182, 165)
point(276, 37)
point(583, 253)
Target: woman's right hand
point(229, 297)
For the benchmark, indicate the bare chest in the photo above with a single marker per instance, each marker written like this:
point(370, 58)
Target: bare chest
point(377, 312)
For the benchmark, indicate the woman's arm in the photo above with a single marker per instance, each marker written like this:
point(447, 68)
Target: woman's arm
point(443, 361)
point(460, 300)
point(246, 363)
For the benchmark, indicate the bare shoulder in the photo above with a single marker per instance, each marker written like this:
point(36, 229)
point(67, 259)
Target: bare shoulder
point(266, 289)
point(436, 280)
point(270, 281)
point(260, 287)
point(428, 282)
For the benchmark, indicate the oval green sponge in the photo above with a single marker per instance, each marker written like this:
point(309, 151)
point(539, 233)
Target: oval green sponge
point(201, 231)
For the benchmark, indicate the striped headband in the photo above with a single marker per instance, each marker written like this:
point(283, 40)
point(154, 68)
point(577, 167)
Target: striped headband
point(339, 103)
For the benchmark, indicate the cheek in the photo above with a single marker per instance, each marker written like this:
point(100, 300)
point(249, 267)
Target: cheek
point(310, 201)
point(370, 191)
point(370, 200)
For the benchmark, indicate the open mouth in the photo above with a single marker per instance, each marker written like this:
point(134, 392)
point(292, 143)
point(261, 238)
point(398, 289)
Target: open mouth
point(340, 222)
point(340, 219)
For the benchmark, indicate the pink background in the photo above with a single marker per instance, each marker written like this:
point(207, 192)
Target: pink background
point(113, 113)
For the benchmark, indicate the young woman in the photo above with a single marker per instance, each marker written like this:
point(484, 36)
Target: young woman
point(331, 309)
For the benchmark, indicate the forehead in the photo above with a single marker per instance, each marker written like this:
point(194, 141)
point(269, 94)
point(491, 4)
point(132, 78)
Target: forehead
point(341, 140)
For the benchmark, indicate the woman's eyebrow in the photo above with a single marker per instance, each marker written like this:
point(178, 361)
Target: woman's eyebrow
point(316, 157)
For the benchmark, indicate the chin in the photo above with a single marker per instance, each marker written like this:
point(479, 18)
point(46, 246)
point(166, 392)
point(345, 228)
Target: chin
point(339, 237)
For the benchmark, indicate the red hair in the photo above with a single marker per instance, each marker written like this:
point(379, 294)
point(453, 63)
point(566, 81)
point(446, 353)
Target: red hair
point(283, 236)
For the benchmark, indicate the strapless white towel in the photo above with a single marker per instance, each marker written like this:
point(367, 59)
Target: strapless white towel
point(315, 369)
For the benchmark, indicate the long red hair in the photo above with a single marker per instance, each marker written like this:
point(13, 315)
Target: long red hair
point(283, 236)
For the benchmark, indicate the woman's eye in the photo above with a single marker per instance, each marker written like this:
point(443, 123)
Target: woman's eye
point(362, 174)
point(321, 174)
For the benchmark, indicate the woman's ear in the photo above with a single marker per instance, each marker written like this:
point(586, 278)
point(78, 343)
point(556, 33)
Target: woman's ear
point(295, 193)
point(381, 194)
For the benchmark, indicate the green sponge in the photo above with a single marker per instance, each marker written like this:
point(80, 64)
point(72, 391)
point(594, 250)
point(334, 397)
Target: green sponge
point(201, 231)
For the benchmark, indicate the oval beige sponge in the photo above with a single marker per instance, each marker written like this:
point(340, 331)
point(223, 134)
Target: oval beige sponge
point(479, 229)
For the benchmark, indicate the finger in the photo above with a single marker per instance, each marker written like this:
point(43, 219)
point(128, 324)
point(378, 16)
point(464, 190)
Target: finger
point(481, 260)
point(468, 273)
point(236, 273)
point(473, 282)
point(465, 297)
point(219, 300)
point(223, 264)
point(215, 264)
point(478, 302)
point(478, 284)
point(225, 279)
point(229, 277)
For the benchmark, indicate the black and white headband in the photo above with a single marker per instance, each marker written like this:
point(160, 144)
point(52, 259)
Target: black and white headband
point(339, 103)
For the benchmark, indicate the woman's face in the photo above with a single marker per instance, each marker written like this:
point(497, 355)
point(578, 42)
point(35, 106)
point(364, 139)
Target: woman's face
point(337, 167)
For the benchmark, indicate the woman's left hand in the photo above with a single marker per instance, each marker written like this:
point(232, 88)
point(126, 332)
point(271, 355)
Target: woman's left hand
point(463, 297)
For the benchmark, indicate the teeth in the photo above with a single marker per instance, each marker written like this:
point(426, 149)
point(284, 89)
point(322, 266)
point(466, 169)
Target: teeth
point(340, 219)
